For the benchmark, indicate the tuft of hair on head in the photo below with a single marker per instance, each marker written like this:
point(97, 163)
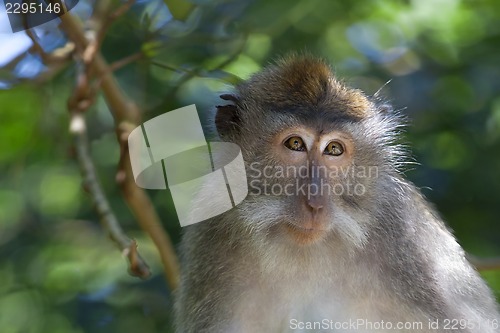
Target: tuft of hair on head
point(294, 82)
point(303, 78)
point(304, 81)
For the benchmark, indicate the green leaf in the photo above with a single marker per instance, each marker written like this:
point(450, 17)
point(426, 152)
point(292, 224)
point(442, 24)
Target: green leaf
point(179, 9)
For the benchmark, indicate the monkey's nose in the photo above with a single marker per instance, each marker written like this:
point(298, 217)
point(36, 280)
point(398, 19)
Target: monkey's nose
point(315, 203)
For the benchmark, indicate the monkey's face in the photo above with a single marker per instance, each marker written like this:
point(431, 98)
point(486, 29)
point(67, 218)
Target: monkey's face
point(306, 183)
point(311, 176)
point(314, 152)
point(313, 168)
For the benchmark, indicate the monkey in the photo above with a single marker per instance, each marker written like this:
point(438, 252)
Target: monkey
point(331, 237)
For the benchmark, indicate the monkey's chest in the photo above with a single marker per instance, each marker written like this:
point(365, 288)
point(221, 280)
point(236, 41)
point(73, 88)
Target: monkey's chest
point(298, 309)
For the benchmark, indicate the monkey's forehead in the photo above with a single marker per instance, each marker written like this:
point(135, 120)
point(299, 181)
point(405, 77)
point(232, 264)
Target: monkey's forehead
point(305, 83)
point(317, 119)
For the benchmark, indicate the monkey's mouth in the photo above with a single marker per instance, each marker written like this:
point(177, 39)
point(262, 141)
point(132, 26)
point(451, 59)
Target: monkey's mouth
point(304, 236)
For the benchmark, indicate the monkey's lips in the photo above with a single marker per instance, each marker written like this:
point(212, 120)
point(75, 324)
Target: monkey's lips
point(304, 235)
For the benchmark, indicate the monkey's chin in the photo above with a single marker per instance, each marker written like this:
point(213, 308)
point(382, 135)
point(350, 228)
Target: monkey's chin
point(303, 236)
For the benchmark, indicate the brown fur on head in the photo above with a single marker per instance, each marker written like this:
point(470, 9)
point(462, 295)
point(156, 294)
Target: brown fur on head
point(296, 82)
point(306, 80)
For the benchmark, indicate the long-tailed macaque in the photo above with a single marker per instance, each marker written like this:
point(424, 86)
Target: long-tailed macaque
point(331, 237)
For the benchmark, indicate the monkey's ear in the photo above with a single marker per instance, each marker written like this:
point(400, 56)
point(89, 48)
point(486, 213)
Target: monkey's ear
point(227, 118)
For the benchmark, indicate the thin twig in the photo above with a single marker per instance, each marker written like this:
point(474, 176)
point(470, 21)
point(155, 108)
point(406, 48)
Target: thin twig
point(95, 44)
point(96, 86)
point(127, 115)
point(187, 74)
point(58, 56)
point(125, 61)
point(137, 266)
point(121, 10)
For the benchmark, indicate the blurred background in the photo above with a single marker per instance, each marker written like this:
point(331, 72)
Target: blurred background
point(58, 270)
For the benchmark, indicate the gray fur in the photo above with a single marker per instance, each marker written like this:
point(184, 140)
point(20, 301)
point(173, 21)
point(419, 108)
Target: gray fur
point(388, 255)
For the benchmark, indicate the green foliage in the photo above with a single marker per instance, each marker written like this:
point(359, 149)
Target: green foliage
point(59, 273)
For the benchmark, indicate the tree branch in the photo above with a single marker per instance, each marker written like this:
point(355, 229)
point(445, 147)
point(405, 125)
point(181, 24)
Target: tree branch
point(137, 266)
point(105, 22)
point(58, 56)
point(126, 115)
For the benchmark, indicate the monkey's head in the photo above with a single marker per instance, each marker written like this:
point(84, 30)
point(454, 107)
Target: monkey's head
point(315, 152)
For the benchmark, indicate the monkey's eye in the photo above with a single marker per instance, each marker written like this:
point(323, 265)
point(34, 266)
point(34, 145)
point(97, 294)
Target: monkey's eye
point(334, 148)
point(295, 143)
